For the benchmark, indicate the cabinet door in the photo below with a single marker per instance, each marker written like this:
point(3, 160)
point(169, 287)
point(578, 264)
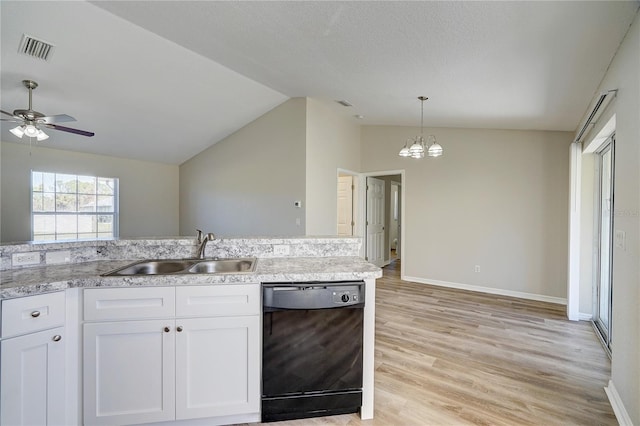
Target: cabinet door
point(32, 390)
point(217, 366)
point(129, 372)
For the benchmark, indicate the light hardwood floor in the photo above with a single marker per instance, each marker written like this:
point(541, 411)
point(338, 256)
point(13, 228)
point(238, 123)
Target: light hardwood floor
point(453, 357)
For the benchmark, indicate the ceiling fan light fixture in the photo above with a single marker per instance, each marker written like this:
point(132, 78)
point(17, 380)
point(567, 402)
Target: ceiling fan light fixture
point(41, 135)
point(31, 120)
point(31, 130)
point(18, 131)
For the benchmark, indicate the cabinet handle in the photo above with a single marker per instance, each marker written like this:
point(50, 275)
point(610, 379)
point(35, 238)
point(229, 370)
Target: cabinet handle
point(56, 338)
point(167, 329)
point(35, 314)
point(179, 329)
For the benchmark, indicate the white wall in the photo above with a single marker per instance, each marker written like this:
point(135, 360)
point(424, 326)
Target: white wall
point(625, 360)
point(148, 191)
point(246, 184)
point(333, 142)
point(497, 198)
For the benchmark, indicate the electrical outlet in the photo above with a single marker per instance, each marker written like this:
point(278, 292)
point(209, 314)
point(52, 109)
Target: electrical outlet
point(54, 257)
point(23, 259)
point(281, 250)
point(477, 268)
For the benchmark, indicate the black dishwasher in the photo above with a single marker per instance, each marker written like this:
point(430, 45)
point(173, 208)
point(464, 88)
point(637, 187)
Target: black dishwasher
point(311, 349)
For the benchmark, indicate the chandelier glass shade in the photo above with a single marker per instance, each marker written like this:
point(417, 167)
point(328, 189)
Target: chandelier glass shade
point(417, 147)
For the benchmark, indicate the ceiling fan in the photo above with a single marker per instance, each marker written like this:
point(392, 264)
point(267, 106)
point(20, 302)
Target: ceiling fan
point(31, 121)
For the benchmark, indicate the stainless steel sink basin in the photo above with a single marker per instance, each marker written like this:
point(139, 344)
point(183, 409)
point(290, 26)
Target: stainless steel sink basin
point(186, 266)
point(154, 267)
point(223, 266)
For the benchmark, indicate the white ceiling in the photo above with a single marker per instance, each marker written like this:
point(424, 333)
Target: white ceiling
point(163, 80)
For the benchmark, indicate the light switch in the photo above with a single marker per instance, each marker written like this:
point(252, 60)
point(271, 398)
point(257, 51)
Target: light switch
point(621, 240)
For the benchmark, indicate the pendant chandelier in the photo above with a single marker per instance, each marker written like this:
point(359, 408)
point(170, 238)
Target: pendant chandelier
point(418, 146)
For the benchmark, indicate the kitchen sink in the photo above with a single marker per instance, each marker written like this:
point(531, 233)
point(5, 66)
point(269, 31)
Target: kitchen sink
point(222, 266)
point(185, 266)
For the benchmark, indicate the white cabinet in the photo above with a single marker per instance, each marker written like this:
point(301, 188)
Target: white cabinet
point(217, 366)
point(129, 372)
point(177, 367)
point(32, 361)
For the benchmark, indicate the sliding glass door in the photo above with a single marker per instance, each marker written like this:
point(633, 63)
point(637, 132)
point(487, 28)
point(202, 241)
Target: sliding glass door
point(604, 209)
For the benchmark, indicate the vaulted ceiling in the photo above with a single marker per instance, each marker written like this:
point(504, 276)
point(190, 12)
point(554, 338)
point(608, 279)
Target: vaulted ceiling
point(163, 80)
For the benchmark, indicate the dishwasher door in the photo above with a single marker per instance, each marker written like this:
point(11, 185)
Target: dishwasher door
point(312, 349)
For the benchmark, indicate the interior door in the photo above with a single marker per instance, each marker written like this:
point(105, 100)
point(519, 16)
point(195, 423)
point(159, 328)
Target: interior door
point(345, 205)
point(375, 221)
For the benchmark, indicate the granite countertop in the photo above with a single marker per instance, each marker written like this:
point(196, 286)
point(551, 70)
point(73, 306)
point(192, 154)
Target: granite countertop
point(29, 281)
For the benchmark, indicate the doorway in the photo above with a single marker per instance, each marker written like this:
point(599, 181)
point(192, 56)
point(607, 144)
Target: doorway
point(603, 283)
point(394, 220)
point(384, 213)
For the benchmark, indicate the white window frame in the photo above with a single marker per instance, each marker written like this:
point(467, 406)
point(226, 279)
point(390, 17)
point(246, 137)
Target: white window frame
point(114, 214)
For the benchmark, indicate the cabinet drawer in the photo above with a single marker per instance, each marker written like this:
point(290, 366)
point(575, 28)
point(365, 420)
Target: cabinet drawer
point(128, 303)
point(218, 300)
point(32, 313)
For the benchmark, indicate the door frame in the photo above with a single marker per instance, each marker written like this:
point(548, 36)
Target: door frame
point(579, 213)
point(362, 203)
point(398, 185)
point(604, 330)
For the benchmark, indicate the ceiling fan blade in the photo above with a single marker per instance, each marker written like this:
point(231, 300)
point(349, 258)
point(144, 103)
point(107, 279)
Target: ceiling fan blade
point(9, 114)
point(59, 118)
point(11, 120)
point(69, 129)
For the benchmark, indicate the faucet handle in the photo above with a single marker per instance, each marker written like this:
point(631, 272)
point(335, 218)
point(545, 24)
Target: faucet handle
point(210, 236)
point(199, 236)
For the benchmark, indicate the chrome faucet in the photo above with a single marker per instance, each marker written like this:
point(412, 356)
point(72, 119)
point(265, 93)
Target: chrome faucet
point(203, 242)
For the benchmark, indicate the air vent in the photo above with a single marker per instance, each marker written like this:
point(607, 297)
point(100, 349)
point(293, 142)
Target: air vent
point(345, 103)
point(35, 48)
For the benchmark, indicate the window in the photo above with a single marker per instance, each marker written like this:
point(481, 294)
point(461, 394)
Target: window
point(71, 207)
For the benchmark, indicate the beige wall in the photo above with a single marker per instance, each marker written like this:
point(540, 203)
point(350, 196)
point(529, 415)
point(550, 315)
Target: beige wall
point(148, 191)
point(333, 142)
point(625, 360)
point(497, 198)
point(247, 183)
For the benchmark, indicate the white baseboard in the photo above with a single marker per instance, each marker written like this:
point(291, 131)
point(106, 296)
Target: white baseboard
point(584, 317)
point(490, 290)
point(616, 403)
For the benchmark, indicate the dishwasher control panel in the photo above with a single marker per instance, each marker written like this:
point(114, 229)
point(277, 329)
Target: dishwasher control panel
point(312, 295)
point(341, 296)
